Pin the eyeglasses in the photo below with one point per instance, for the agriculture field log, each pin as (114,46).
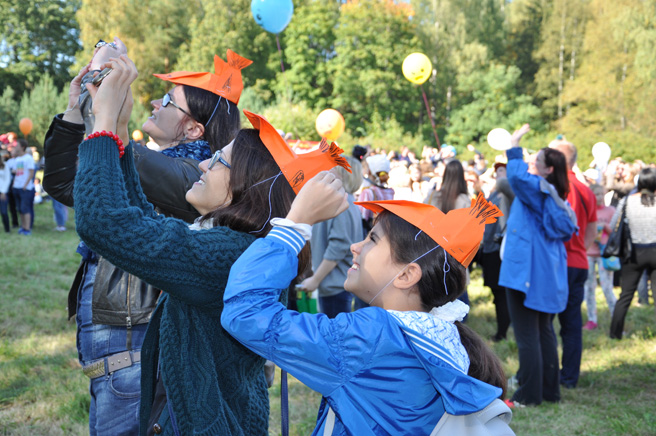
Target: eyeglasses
(217,158)
(167,99)
(102,43)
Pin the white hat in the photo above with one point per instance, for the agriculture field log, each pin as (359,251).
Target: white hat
(378,163)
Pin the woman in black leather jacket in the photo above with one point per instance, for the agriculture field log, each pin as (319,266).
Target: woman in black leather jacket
(112,307)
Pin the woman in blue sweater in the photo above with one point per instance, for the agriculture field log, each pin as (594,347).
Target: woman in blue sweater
(392,368)
(196,379)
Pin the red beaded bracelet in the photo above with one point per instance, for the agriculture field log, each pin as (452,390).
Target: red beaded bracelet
(121,148)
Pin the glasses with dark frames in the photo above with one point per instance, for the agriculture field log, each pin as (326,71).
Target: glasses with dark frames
(102,43)
(166,100)
(217,158)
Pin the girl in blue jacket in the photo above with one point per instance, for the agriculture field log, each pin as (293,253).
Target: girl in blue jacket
(393,368)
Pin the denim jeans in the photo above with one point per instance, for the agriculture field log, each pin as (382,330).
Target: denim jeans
(5,216)
(571,324)
(335,304)
(115,397)
(61,213)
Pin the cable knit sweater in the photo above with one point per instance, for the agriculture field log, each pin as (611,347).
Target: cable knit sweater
(214,385)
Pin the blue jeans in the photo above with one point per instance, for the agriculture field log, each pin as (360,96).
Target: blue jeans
(115,397)
(61,213)
(335,304)
(5,216)
(571,324)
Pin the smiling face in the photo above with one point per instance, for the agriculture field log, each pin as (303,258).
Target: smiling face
(212,191)
(372,268)
(165,126)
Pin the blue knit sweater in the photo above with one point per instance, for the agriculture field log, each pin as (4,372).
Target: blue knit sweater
(214,385)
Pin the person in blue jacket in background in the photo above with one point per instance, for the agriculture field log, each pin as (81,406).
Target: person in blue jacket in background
(392,368)
(534,266)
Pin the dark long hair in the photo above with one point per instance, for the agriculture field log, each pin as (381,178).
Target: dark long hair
(647,186)
(252,198)
(223,126)
(453,184)
(558,177)
(484,364)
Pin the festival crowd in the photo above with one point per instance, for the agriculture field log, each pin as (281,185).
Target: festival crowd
(195,258)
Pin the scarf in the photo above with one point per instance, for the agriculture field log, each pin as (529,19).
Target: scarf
(198,150)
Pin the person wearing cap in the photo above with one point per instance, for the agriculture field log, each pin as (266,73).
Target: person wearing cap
(112,307)
(397,366)
(196,379)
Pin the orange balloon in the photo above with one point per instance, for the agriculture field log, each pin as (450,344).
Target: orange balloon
(25,126)
(137,135)
(330,124)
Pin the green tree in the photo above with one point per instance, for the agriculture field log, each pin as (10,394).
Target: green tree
(37,37)
(8,111)
(40,105)
(372,39)
(491,101)
(309,49)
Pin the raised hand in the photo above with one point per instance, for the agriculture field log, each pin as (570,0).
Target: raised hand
(109,97)
(72,113)
(517,135)
(321,198)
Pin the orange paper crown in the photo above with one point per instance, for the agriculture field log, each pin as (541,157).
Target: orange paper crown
(459,232)
(225,81)
(297,168)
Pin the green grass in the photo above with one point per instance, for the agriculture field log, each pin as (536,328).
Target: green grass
(43,391)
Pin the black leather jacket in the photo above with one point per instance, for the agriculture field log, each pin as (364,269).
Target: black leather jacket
(119,298)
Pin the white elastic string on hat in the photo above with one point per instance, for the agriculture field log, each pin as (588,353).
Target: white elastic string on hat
(444,271)
(266,180)
(215,108)
(270,209)
(402,269)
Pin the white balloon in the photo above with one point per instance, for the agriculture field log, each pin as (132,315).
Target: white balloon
(601,152)
(499,139)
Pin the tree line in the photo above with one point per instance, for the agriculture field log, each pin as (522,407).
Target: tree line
(582,68)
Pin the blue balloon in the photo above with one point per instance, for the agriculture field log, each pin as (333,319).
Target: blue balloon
(272,15)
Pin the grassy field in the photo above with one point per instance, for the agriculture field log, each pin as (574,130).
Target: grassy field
(43,391)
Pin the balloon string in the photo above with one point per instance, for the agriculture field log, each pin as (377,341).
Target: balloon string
(430,117)
(282,66)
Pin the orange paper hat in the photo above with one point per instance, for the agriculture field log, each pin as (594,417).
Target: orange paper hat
(459,232)
(225,82)
(297,168)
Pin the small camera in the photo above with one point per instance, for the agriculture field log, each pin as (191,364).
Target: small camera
(99,78)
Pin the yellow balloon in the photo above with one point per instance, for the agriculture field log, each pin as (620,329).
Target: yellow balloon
(330,124)
(137,135)
(417,68)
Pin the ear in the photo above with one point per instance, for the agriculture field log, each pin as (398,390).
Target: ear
(549,170)
(409,277)
(193,130)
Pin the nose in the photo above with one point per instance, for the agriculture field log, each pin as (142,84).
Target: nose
(156,103)
(356,248)
(203,165)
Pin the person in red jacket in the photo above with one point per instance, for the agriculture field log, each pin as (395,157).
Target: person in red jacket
(584,204)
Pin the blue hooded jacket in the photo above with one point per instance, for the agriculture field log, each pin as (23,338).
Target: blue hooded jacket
(534,259)
(381,372)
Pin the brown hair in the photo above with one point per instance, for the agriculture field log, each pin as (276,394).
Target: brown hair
(453,184)
(484,364)
(255,200)
(223,126)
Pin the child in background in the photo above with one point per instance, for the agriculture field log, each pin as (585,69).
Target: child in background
(395,367)
(604,215)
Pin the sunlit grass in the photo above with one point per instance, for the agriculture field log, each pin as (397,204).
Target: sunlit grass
(43,391)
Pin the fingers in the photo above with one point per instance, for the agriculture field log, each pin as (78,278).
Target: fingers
(92,90)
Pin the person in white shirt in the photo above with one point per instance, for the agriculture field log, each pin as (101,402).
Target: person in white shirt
(23,167)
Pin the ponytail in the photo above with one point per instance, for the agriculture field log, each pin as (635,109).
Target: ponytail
(484,364)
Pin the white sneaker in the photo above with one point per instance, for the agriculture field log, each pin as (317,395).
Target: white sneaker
(60,229)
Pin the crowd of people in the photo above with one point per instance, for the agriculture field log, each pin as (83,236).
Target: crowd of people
(192,256)
(21,189)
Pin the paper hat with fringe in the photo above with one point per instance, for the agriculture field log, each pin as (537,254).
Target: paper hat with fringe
(225,82)
(459,231)
(297,168)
